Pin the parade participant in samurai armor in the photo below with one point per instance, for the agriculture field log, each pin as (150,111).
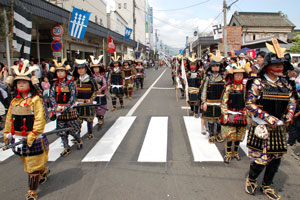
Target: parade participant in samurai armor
(115,82)
(62,98)
(86,89)
(99,76)
(271,103)
(234,114)
(129,73)
(194,82)
(25,121)
(174,66)
(213,87)
(140,73)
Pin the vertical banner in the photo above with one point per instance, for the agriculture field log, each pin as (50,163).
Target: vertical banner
(22,30)
(128,32)
(185,80)
(151,19)
(78,23)
(251,53)
(186,41)
(217,31)
(111,47)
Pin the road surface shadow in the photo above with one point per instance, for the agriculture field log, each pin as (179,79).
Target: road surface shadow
(60,180)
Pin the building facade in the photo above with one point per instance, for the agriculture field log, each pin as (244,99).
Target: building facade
(125,9)
(97,8)
(259,25)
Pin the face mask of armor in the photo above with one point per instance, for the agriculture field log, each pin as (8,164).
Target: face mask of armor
(278,72)
(193,67)
(238,82)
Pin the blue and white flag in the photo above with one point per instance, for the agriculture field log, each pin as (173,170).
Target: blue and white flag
(78,23)
(128,32)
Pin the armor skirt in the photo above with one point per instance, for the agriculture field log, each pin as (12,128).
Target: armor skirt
(212,112)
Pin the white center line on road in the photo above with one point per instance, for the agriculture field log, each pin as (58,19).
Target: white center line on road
(243,144)
(162,88)
(136,105)
(201,148)
(185,107)
(154,148)
(105,148)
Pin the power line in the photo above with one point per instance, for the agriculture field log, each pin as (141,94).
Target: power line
(197,4)
(211,22)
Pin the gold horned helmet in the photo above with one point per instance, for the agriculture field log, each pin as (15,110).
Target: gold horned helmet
(275,48)
(239,67)
(193,59)
(23,72)
(60,66)
(115,58)
(217,58)
(96,62)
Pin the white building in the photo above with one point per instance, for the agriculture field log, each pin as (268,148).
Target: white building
(97,8)
(116,22)
(125,9)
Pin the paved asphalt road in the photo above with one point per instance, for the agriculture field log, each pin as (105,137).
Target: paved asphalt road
(173,174)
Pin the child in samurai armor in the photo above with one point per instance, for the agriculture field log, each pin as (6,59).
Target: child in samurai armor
(194,82)
(129,73)
(116,83)
(234,115)
(99,76)
(212,90)
(25,121)
(86,88)
(140,73)
(272,105)
(63,97)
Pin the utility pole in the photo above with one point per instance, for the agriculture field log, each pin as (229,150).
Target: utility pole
(225,28)
(134,20)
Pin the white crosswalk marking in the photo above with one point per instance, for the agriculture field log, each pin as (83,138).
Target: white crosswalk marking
(108,144)
(8,153)
(56,147)
(154,148)
(202,150)
(243,144)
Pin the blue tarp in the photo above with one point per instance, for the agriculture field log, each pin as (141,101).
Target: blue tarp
(243,50)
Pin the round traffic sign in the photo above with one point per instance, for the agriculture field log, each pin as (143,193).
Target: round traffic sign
(56,45)
(57,31)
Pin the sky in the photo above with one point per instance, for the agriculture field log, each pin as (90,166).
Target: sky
(174,26)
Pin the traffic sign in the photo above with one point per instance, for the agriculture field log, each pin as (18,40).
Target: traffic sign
(57,38)
(56,54)
(57,31)
(56,45)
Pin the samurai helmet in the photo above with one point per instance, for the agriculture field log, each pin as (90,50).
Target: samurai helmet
(237,67)
(140,59)
(96,62)
(216,59)
(127,58)
(193,59)
(60,66)
(276,55)
(115,58)
(23,72)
